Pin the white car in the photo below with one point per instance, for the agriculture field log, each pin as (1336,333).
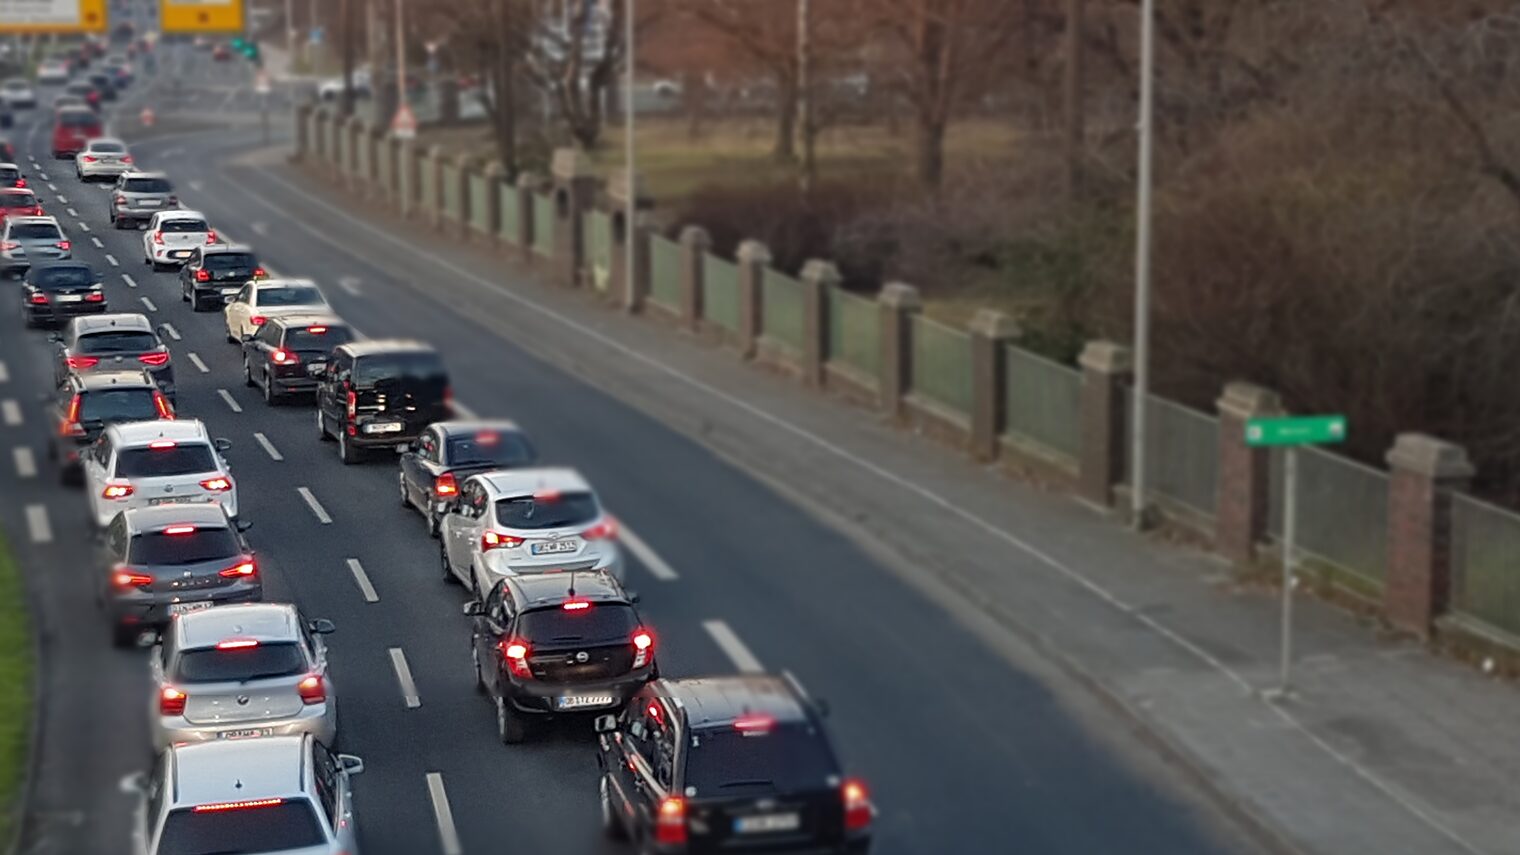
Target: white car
(53,72)
(103,157)
(331,89)
(147,464)
(17,94)
(262,299)
(173,235)
(511,522)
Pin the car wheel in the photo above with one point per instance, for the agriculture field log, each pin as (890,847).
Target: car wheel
(444,565)
(510,726)
(184,293)
(270,397)
(433,524)
(406,500)
(612,824)
(346,452)
(247,373)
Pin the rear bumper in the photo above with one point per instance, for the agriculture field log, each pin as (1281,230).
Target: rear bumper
(152,610)
(854,845)
(537,698)
(90,170)
(165,254)
(62,312)
(360,439)
(109,512)
(293,385)
(497,566)
(319,720)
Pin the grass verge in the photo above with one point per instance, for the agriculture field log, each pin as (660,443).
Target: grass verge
(16,668)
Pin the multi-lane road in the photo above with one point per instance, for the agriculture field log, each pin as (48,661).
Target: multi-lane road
(964,751)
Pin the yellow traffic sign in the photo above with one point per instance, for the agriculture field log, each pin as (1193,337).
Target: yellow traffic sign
(52,16)
(201,16)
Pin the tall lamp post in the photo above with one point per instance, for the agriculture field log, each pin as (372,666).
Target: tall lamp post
(630,190)
(1143,261)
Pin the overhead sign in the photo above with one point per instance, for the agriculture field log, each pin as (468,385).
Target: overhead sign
(1296,430)
(198,17)
(52,16)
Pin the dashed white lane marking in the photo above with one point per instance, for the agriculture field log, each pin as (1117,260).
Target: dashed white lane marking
(5,373)
(269,449)
(742,658)
(171,332)
(127,278)
(62,199)
(74,213)
(37,524)
(44,177)
(349,284)
(196,186)
(111,259)
(151,306)
(232,403)
(260,229)
(647,557)
(404,677)
(85,227)
(195,360)
(448,835)
(316,506)
(26,464)
(362,579)
(98,243)
(11,411)
(51,186)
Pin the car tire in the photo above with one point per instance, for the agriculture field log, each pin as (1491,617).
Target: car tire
(346,452)
(248,374)
(434,522)
(184,293)
(406,499)
(612,824)
(444,566)
(511,728)
(271,398)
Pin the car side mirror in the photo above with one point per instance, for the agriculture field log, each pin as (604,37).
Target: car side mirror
(605,723)
(351,765)
(55,337)
(473,608)
(322,626)
(222,444)
(243,525)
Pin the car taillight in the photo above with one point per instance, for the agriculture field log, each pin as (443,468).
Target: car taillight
(238,571)
(217,485)
(858,811)
(164,410)
(126,158)
(116,491)
(203,276)
(643,647)
(283,357)
(82,361)
(174,201)
(99,297)
(155,359)
(38,299)
(516,652)
(88,158)
(496,540)
(313,689)
(258,273)
(445,485)
(670,824)
(158,238)
(10,245)
(128,579)
(171,701)
(211,236)
(352,402)
(71,425)
(607,529)
(21,183)
(63,244)
(257,320)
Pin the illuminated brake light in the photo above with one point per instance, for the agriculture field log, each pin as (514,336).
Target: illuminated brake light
(858,811)
(352,404)
(203,276)
(607,529)
(21,182)
(643,647)
(257,320)
(283,357)
(71,425)
(98,297)
(575,605)
(236,571)
(496,540)
(670,824)
(546,496)
(211,236)
(316,330)
(162,443)
(245,805)
(63,244)
(89,158)
(237,644)
(155,359)
(10,245)
(128,579)
(179,529)
(40,299)
(121,200)
(312,689)
(258,273)
(171,701)
(217,485)
(126,158)
(164,410)
(158,238)
(755,724)
(446,485)
(516,652)
(116,491)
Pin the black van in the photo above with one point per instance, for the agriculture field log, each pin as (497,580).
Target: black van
(380,394)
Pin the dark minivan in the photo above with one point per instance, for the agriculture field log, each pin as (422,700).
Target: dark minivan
(380,394)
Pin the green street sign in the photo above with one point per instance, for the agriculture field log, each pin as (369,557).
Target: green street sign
(1296,430)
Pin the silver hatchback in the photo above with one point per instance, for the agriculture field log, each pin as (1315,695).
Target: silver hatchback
(242,672)
(25,241)
(137,196)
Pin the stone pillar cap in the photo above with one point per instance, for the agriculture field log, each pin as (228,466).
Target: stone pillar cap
(571,163)
(1107,357)
(753,252)
(1426,455)
(618,182)
(821,271)
(696,236)
(494,169)
(464,160)
(1248,401)
(900,295)
(996,325)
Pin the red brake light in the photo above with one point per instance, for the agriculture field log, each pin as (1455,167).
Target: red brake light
(257,320)
(154,359)
(164,410)
(88,158)
(670,825)
(171,701)
(258,273)
(607,529)
(247,568)
(643,647)
(120,199)
(63,244)
(858,811)
(283,357)
(496,540)
(237,644)
(21,182)
(211,236)
(352,402)
(162,443)
(40,299)
(203,276)
(755,724)
(312,689)
(248,805)
(654,710)
(316,330)
(116,491)
(71,425)
(516,651)
(179,529)
(575,605)
(546,496)
(217,485)
(98,297)
(158,238)
(127,579)
(446,485)
(10,245)
(127,158)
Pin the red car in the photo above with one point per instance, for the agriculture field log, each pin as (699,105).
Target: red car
(72,128)
(19,203)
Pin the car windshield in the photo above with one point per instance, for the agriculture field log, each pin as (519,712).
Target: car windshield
(35,231)
(565,509)
(63,277)
(107,147)
(374,368)
(782,758)
(488,446)
(290,295)
(316,338)
(79,119)
(288,825)
(116,341)
(179,224)
(602,623)
(229,261)
(155,548)
(117,405)
(260,661)
(146,185)
(17,200)
(179,459)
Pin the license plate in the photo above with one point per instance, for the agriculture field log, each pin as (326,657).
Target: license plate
(768,823)
(245,733)
(575,702)
(150,203)
(178,500)
(70,298)
(180,253)
(318,365)
(186,608)
(554,547)
(383,427)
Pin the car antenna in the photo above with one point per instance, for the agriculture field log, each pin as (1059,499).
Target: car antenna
(572,584)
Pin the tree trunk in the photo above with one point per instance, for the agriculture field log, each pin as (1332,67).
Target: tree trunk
(930,151)
(346,29)
(785,150)
(694,101)
(1074,143)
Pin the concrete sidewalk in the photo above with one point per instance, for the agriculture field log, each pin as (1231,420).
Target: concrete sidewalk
(1383,748)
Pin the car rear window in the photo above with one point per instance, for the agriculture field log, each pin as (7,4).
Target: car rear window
(17,200)
(181,225)
(116,341)
(192,547)
(63,277)
(489,446)
(10,173)
(181,459)
(117,405)
(527,512)
(785,757)
(229,260)
(107,147)
(79,119)
(289,295)
(259,662)
(146,185)
(35,231)
(291,824)
(602,623)
(303,340)
(415,365)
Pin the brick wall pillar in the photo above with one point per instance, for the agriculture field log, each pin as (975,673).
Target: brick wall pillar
(493,175)
(694,245)
(575,191)
(527,184)
(818,278)
(990,331)
(1424,473)
(1107,369)
(1240,514)
(899,302)
(753,258)
(628,292)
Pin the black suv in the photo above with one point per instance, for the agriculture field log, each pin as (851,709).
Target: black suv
(57,291)
(548,644)
(380,394)
(214,274)
(728,764)
(280,356)
(86,403)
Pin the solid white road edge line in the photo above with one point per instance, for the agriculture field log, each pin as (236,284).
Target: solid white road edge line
(404,677)
(231,402)
(448,835)
(647,556)
(362,579)
(316,506)
(726,638)
(37,525)
(274,453)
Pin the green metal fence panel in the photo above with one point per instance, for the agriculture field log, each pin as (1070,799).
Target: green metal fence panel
(509,218)
(385,166)
(1342,513)
(451,200)
(543,224)
(599,248)
(855,332)
(427,193)
(665,272)
(1181,453)
(1485,572)
(720,292)
(941,365)
(480,203)
(1042,401)
(782,309)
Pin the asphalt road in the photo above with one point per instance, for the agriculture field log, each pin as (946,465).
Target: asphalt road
(963,752)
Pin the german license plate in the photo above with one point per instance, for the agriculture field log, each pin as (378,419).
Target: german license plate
(70,298)
(767,823)
(180,253)
(576,702)
(151,203)
(186,608)
(245,733)
(553,547)
(172,500)
(383,427)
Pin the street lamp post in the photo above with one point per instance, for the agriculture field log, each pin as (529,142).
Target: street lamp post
(630,190)
(1143,261)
